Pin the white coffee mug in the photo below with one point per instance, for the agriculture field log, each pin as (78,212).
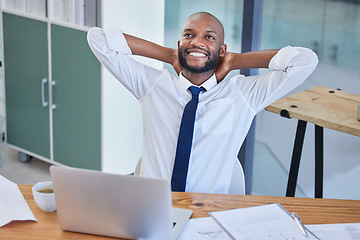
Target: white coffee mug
(45,201)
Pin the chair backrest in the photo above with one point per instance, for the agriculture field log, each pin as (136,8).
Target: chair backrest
(137,168)
(237,185)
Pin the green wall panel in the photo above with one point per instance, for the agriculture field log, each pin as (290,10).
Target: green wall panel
(77,95)
(25,64)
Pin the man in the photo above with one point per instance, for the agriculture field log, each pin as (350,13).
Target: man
(225,108)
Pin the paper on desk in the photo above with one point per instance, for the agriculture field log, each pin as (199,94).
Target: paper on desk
(262,222)
(253,227)
(203,229)
(12,203)
(346,231)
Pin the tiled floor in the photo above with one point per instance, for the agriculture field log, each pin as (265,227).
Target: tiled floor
(19,172)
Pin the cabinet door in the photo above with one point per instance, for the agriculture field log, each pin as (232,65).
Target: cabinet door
(26,64)
(76,94)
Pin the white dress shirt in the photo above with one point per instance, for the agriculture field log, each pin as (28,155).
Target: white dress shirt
(224,114)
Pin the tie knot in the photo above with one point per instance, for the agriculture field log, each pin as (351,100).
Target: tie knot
(196,90)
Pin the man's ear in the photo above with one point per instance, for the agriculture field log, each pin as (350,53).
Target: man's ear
(178,43)
(223,48)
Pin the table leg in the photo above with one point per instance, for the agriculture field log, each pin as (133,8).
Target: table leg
(295,160)
(319,161)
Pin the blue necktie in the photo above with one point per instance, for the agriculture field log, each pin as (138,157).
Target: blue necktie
(184,143)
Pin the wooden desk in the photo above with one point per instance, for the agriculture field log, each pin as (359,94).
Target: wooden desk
(311,211)
(325,107)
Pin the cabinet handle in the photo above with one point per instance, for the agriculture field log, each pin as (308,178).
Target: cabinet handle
(43,101)
(53,106)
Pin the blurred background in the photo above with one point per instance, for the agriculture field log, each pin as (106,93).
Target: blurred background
(328,27)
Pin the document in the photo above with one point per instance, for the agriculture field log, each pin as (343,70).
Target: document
(346,231)
(203,229)
(270,222)
(12,203)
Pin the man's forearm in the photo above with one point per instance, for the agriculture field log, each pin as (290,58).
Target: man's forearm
(235,61)
(256,59)
(148,49)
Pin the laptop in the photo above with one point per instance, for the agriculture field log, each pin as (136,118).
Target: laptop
(121,206)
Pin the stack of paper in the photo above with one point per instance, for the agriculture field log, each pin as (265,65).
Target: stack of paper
(271,222)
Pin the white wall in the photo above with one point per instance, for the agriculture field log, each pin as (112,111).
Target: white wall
(121,123)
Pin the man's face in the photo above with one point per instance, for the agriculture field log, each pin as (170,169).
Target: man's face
(201,43)
(211,60)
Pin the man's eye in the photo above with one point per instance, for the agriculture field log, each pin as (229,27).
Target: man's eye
(187,35)
(210,37)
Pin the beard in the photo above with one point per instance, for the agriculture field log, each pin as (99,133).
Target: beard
(211,63)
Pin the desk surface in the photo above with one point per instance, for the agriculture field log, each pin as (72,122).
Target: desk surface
(311,211)
(325,107)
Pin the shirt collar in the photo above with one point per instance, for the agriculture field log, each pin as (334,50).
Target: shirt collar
(208,84)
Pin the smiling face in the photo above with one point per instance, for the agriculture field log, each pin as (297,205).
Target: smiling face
(198,57)
(201,43)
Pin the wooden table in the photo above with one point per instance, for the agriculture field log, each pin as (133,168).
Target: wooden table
(311,211)
(325,107)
